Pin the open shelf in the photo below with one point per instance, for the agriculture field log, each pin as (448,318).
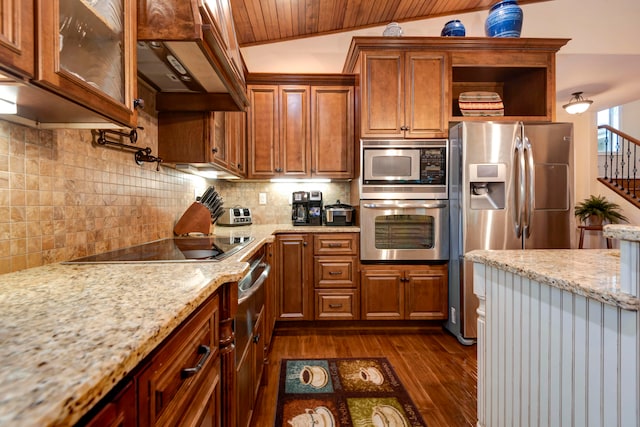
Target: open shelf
(523,89)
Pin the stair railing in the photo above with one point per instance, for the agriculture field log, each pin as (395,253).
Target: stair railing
(621,161)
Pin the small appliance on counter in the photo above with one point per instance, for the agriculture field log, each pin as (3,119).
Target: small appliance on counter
(306,208)
(338,214)
(235,216)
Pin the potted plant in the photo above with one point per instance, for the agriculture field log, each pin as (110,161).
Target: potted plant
(595,210)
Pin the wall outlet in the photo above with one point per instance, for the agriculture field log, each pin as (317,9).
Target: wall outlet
(452,317)
(262,198)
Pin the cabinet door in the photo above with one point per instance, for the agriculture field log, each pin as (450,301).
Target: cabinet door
(235,134)
(86,53)
(17,45)
(294,277)
(263,131)
(218,139)
(186,137)
(295,153)
(426,95)
(120,412)
(426,293)
(382,113)
(382,294)
(332,136)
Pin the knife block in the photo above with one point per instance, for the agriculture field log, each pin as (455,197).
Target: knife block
(196,219)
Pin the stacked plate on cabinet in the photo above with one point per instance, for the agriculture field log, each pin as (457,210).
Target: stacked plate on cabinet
(480,104)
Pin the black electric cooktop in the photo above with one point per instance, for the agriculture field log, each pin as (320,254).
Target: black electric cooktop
(178,249)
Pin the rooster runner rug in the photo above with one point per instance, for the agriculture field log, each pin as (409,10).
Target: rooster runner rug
(343,393)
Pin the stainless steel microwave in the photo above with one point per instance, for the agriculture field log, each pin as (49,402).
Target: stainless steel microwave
(404,169)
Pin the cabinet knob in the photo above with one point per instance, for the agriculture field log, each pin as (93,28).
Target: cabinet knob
(404,127)
(214,150)
(278,169)
(239,165)
(304,243)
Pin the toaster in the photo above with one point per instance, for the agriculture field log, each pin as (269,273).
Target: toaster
(235,216)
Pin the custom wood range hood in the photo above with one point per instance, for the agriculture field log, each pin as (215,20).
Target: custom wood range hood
(187,51)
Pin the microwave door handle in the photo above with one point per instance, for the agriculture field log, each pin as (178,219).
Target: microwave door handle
(405,205)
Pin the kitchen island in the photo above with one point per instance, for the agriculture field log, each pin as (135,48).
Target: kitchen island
(558,336)
(70,332)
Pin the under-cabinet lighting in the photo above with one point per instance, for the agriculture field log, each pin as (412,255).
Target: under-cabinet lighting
(8,107)
(304,180)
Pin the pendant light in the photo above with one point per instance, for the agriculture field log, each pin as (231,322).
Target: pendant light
(577,104)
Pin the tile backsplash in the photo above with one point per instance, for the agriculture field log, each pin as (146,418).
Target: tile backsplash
(63,197)
(277,210)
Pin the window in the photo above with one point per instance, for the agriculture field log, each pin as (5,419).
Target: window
(609,117)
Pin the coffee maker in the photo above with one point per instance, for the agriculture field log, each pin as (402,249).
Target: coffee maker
(306,208)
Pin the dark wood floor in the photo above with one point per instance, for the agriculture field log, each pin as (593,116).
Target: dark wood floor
(438,372)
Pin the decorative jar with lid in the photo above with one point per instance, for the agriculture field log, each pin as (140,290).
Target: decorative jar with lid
(453,28)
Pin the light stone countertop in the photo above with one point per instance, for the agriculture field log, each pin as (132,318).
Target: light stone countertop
(593,273)
(622,232)
(70,332)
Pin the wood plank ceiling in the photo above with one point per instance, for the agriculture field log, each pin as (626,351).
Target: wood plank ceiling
(268,21)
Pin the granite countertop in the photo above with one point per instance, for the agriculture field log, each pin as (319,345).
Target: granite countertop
(593,273)
(70,332)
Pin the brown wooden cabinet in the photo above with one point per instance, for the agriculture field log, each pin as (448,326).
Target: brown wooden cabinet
(332,131)
(404,292)
(119,412)
(335,276)
(87,53)
(180,385)
(520,70)
(203,138)
(404,94)
(300,131)
(278,131)
(17,45)
(294,272)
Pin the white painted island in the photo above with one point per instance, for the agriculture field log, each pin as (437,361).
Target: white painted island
(559,335)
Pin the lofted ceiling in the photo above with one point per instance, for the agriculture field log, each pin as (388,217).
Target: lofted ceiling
(268,21)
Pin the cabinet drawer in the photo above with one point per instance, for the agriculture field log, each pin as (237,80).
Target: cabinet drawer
(335,244)
(187,363)
(335,272)
(337,304)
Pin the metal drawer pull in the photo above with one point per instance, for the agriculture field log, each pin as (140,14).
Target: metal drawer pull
(256,338)
(335,245)
(206,352)
(335,273)
(335,305)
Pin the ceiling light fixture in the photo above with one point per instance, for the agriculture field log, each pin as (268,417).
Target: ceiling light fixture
(577,104)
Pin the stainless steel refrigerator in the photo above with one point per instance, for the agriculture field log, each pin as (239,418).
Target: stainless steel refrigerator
(510,188)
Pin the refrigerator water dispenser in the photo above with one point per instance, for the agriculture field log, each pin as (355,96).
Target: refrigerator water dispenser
(487,186)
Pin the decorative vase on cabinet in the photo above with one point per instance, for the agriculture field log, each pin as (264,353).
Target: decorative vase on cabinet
(453,29)
(504,20)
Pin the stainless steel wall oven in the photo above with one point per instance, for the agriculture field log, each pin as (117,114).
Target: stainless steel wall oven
(404,230)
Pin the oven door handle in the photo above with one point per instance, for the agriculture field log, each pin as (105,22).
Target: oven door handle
(405,205)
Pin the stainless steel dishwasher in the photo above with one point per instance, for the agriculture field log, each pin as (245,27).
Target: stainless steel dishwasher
(249,342)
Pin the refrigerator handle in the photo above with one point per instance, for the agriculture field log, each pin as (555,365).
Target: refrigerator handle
(518,187)
(531,193)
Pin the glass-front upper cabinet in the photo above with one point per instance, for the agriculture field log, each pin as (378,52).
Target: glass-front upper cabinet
(87,54)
